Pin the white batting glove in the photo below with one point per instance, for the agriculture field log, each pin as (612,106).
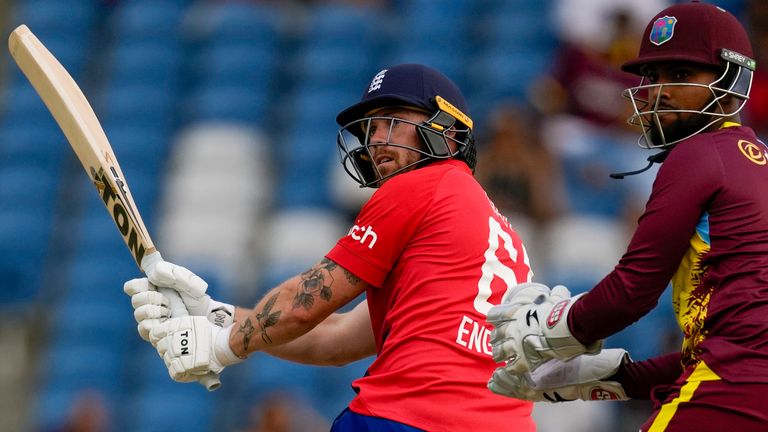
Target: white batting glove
(531,332)
(192,290)
(192,346)
(149,305)
(583,377)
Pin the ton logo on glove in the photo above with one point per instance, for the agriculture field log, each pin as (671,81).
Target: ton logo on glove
(184,342)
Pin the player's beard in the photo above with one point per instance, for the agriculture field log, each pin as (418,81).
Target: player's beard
(680,129)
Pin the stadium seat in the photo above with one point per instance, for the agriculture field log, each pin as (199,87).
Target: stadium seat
(156,401)
(264,374)
(139,20)
(140,143)
(99,269)
(652,335)
(29,187)
(46,16)
(302,235)
(332,69)
(24,244)
(501,74)
(336,24)
(226,103)
(574,258)
(154,63)
(72,366)
(21,102)
(234,22)
(55,407)
(336,386)
(453,65)
(251,64)
(182,409)
(32,140)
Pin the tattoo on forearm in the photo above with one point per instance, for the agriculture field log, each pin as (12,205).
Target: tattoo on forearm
(265,319)
(315,281)
(247,329)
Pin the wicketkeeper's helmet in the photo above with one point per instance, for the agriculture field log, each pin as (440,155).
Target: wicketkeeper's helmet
(699,33)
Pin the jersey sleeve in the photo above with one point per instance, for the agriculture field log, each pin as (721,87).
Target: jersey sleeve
(639,378)
(383,229)
(685,183)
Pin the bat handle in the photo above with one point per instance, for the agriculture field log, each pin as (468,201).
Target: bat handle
(210,380)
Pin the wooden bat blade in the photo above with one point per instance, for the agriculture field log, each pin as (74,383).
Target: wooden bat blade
(76,118)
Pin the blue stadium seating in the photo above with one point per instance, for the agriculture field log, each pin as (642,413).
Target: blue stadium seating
(71,367)
(139,20)
(45,16)
(236,22)
(28,187)
(340,25)
(228,103)
(24,243)
(154,62)
(248,64)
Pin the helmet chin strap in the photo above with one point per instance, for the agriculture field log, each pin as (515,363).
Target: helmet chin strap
(652,159)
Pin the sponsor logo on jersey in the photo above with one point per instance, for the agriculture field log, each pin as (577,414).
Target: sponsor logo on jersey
(557,313)
(753,152)
(364,234)
(663,30)
(377,80)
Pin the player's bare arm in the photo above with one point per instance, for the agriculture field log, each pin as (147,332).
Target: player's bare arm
(294,307)
(340,339)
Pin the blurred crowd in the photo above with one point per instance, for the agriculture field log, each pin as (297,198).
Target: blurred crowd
(244,187)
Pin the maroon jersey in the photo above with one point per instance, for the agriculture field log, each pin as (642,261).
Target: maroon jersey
(705,229)
(437,255)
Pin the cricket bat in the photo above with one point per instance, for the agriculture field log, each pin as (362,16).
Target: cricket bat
(76,118)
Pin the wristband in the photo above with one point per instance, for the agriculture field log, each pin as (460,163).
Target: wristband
(223,351)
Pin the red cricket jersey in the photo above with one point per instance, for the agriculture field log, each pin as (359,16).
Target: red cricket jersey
(438,255)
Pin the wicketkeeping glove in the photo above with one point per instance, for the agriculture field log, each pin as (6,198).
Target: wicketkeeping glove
(583,377)
(529,331)
(192,346)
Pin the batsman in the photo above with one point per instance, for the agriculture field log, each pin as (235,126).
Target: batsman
(429,250)
(704,229)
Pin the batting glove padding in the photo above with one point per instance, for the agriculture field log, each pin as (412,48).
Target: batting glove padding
(149,306)
(534,329)
(583,377)
(192,290)
(192,346)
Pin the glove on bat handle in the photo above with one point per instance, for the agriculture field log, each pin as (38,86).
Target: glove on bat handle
(210,380)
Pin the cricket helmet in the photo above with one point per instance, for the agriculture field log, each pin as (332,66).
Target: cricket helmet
(699,33)
(412,86)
